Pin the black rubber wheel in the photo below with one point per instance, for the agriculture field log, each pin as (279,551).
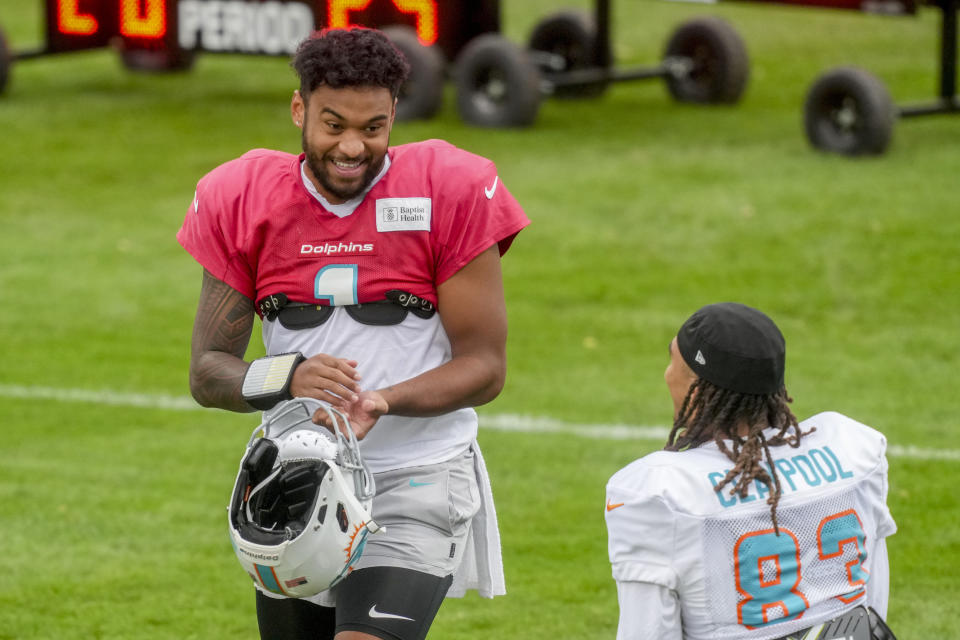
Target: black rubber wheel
(157,61)
(570,40)
(421,96)
(6,60)
(708,62)
(849,111)
(497,83)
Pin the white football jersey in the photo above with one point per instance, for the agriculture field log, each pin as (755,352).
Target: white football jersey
(733,575)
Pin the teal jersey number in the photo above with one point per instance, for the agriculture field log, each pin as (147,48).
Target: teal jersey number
(767,568)
(337,284)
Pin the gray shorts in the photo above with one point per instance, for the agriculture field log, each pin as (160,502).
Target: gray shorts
(426,512)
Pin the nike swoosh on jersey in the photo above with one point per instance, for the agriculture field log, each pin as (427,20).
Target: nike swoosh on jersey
(373,613)
(611,507)
(414,483)
(493,189)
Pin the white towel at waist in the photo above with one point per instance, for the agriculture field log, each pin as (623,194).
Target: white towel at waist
(482,565)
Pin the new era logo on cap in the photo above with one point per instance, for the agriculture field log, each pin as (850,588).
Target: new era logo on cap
(747,350)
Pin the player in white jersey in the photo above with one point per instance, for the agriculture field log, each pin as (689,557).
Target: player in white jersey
(376,272)
(749,525)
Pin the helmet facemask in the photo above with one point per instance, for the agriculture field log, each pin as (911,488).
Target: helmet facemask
(299,516)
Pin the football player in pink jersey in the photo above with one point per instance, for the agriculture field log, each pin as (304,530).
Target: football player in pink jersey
(749,525)
(376,273)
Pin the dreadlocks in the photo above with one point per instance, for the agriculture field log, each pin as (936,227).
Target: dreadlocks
(711,412)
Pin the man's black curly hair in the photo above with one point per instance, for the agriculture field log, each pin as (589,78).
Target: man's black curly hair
(355,57)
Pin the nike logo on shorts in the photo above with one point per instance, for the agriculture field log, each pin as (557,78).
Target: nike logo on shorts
(414,483)
(373,613)
(492,190)
(611,507)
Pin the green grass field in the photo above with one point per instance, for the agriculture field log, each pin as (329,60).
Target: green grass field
(112,514)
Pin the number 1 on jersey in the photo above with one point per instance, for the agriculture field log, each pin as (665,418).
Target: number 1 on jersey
(337,284)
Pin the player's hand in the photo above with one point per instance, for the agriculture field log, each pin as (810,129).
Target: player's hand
(326,378)
(363,412)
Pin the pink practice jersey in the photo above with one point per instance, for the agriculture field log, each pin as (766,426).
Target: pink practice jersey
(254,225)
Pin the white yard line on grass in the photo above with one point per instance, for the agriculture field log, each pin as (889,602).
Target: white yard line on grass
(494,422)
(105,397)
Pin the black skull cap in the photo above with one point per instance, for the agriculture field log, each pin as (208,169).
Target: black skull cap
(735,347)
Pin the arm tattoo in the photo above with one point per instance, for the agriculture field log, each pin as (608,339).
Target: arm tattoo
(221,333)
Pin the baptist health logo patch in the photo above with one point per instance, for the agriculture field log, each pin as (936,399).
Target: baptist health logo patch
(403,214)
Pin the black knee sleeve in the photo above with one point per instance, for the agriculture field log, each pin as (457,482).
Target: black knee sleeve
(292,619)
(390,602)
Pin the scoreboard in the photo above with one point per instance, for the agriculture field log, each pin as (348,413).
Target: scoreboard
(265,27)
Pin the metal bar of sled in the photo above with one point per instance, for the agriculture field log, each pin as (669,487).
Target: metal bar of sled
(947,105)
(948,101)
(602,49)
(948,49)
(593,75)
(31,53)
(644,73)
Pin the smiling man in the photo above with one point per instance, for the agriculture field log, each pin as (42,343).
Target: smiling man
(343,167)
(378,268)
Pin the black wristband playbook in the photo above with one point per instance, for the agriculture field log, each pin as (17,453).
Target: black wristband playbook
(268,379)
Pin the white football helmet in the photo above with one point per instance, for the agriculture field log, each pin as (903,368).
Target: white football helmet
(300,512)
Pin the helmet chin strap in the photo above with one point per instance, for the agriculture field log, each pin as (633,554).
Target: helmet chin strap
(257,488)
